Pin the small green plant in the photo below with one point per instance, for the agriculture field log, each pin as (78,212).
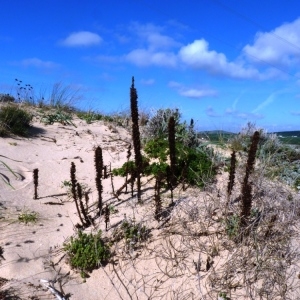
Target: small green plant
(232,226)
(90,116)
(66,184)
(59,116)
(86,251)
(113,209)
(223,296)
(14,120)
(134,233)
(28,217)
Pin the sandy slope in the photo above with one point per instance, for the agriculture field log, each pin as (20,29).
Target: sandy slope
(166,266)
(51,149)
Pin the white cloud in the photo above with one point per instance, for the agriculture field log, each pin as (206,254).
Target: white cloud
(82,38)
(144,58)
(153,37)
(197,93)
(38,63)
(188,92)
(107,58)
(295,113)
(198,56)
(280,46)
(150,81)
(154,47)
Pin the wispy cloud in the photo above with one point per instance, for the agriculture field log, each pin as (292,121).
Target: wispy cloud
(191,92)
(145,57)
(106,59)
(153,36)
(265,103)
(154,47)
(38,63)
(150,81)
(81,38)
(295,113)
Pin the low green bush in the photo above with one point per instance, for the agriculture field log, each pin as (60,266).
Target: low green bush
(59,116)
(7,98)
(87,251)
(14,120)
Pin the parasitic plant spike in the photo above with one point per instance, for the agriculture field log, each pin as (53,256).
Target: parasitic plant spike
(136,137)
(247,186)
(107,216)
(231,173)
(82,209)
(157,199)
(128,157)
(73,190)
(99,168)
(172,149)
(35,182)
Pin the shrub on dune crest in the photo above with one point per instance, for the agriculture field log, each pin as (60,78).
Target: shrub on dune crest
(14,120)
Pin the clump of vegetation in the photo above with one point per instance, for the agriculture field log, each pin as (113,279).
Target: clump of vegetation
(14,120)
(157,126)
(59,116)
(232,226)
(6,98)
(133,233)
(28,217)
(91,116)
(193,166)
(87,252)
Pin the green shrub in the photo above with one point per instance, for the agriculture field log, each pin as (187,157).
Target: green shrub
(14,120)
(87,251)
(90,116)
(59,116)
(193,166)
(157,126)
(7,98)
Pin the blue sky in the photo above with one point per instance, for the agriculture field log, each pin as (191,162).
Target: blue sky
(221,62)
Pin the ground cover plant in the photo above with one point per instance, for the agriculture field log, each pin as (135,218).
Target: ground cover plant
(86,252)
(28,217)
